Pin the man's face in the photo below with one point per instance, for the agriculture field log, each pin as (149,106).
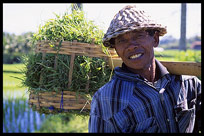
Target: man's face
(136,48)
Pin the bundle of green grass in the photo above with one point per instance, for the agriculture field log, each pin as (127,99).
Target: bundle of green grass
(67,27)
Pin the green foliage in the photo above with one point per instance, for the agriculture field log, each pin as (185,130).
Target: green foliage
(12,58)
(176,55)
(42,75)
(69,27)
(93,69)
(189,55)
(15,106)
(15,101)
(16,68)
(63,123)
(14,46)
(9,82)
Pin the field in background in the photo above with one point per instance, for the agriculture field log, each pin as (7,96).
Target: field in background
(176,55)
(19,117)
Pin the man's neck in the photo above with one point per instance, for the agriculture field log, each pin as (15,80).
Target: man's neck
(148,72)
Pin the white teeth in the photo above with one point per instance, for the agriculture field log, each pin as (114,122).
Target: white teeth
(135,56)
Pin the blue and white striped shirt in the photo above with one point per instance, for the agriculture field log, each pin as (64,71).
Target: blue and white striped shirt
(130,104)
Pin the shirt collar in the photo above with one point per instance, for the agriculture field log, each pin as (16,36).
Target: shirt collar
(160,70)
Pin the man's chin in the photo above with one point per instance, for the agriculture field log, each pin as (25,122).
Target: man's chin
(138,66)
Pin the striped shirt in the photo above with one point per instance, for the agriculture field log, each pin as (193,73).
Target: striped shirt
(130,104)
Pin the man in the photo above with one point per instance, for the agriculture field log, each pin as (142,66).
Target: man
(142,95)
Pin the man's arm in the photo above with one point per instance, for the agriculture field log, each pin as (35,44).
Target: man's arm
(96,122)
(197,128)
(98,125)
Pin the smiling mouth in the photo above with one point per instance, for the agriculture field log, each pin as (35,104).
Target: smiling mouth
(135,56)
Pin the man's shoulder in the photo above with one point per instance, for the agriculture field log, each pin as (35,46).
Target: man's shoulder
(188,77)
(115,90)
(115,93)
(114,86)
(185,79)
(107,89)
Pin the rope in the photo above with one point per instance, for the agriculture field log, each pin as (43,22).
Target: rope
(84,105)
(51,108)
(61,103)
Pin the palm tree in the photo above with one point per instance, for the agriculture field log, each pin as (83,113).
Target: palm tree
(77,6)
(182,45)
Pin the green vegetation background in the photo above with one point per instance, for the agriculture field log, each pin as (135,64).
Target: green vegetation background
(55,123)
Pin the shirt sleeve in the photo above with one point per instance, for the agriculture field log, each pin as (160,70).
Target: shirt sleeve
(96,122)
(197,127)
(98,125)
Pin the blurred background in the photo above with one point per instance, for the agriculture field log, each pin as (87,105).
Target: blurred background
(20,21)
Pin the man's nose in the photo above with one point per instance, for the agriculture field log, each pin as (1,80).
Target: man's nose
(133,46)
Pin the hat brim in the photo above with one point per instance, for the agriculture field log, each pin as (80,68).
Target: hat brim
(106,40)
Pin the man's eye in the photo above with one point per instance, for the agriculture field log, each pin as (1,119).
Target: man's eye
(137,37)
(121,41)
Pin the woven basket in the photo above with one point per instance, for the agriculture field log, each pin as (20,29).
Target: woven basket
(66,100)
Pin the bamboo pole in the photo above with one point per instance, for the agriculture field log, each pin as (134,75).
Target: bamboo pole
(43,58)
(71,70)
(89,74)
(177,68)
(183,68)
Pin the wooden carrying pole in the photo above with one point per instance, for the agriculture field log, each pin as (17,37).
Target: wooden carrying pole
(177,68)
(91,50)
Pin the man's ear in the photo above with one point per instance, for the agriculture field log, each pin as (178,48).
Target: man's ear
(156,39)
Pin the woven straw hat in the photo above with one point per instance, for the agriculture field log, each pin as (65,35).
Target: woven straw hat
(128,19)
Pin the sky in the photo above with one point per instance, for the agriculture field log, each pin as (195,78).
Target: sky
(19,18)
